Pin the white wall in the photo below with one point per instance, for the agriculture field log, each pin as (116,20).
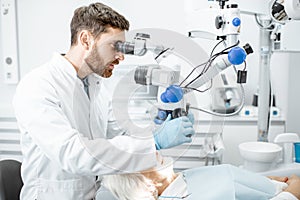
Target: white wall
(44,28)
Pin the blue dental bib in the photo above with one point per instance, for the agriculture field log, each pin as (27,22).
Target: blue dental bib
(227,182)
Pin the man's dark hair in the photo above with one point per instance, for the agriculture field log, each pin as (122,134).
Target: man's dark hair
(96,18)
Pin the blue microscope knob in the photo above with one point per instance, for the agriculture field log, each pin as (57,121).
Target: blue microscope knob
(161,114)
(236,21)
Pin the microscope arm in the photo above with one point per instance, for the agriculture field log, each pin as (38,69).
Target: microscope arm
(235,56)
(216,67)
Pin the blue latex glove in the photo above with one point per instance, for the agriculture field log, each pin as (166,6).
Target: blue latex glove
(173,132)
(191,117)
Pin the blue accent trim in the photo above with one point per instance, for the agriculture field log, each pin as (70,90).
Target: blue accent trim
(162,114)
(236,21)
(237,55)
(173,94)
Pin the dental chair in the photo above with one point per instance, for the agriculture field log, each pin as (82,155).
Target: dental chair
(10,179)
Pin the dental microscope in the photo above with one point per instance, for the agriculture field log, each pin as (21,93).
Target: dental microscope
(171,92)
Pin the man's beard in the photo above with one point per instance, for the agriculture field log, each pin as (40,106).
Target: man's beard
(106,73)
(94,61)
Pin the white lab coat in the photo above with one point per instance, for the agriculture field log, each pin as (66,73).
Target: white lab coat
(63,131)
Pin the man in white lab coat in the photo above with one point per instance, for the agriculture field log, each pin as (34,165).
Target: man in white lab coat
(68,133)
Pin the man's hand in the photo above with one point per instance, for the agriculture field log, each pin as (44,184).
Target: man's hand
(174,132)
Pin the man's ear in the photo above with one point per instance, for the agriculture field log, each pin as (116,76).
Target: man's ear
(86,39)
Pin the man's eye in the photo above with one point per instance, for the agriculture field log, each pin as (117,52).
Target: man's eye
(118,45)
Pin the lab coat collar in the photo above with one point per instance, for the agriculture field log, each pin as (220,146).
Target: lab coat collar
(59,60)
(62,62)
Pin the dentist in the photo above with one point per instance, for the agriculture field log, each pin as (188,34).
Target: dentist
(68,133)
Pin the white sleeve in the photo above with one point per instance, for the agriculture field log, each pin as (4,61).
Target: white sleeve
(113,129)
(284,196)
(279,186)
(279,194)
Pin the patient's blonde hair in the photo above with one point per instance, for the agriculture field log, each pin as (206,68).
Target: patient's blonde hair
(130,187)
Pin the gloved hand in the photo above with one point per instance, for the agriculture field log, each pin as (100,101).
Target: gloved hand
(191,117)
(173,132)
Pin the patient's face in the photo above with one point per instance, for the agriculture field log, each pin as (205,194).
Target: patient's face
(161,175)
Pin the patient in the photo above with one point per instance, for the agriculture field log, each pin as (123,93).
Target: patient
(209,183)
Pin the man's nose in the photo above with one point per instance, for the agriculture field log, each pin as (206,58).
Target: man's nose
(119,56)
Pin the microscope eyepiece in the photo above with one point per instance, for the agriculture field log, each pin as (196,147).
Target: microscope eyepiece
(125,47)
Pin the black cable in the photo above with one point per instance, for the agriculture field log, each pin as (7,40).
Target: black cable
(201,91)
(205,68)
(162,52)
(216,47)
(237,43)
(230,114)
(210,60)
(205,63)
(202,63)
(191,73)
(245,65)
